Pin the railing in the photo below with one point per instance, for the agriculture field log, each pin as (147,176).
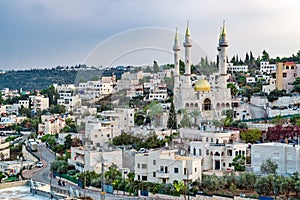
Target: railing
(217,144)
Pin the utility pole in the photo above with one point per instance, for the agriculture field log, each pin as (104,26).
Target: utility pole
(102,172)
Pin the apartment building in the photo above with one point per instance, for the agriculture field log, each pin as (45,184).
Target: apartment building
(166,166)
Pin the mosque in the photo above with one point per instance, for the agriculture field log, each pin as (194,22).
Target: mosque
(208,95)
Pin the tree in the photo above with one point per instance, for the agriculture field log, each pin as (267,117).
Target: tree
(195,115)
(112,174)
(172,120)
(265,56)
(155,67)
(186,121)
(68,142)
(264,185)
(296,85)
(239,162)
(155,111)
(268,167)
(233,90)
(251,135)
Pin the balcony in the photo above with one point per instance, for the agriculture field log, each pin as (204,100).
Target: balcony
(163,175)
(217,144)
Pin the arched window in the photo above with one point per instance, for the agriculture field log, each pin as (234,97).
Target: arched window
(191,105)
(196,105)
(207,104)
(187,105)
(227,105)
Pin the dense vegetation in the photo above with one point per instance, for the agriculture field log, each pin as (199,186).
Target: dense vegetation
(37,79)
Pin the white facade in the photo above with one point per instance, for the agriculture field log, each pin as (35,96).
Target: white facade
(128,80)
(286,156)
(39,103)
(51,124)
(158,92)
(237,68)
(266,67)
(68,97)
(165,166)
(217,150)
(250,80)
(110,124)
(24,103)
(96,89)
(91,160)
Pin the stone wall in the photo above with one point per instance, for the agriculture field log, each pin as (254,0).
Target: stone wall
(28,155)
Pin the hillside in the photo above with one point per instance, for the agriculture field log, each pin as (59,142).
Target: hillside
(37,79)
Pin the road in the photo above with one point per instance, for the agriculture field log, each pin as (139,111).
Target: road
(43,175)
(257,111)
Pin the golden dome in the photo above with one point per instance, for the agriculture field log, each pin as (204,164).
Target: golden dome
(202,85)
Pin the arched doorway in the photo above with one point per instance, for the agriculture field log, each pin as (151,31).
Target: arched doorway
(207,104)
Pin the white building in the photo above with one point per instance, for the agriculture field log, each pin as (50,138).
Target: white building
(68,97)
(39,103)
(24,103)
(158,92)
(217,149)
(109,125)
(128,80)
(266,67)
(96,89)
(51,124)
(286,156)
(237,68)
(166,166)
(250,80)
(91,160)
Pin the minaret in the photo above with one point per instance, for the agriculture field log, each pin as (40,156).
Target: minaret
(187,45)
(176,90)
(222,48)
(176,49)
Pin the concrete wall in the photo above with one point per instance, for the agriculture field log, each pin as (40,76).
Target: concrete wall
(27,155)
(258,101)
(13,184)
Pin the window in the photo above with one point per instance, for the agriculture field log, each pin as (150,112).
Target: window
(229,152)
(207,139)
(161,168)
(224,165)
(200,153)
(139,178)
(284,75)
(138,166)
(212,140)
(144,178)
(184,171)
(176,170)
(154,174)
(144,166)
(195,169)
(207,152)
(154,162)
(194,151)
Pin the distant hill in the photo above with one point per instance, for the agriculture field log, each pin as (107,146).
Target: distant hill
(37,79)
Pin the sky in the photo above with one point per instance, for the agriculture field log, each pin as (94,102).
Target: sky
(44,34)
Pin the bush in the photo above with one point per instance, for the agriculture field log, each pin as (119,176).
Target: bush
(71,172)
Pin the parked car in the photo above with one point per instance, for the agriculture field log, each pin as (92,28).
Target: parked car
(39,164)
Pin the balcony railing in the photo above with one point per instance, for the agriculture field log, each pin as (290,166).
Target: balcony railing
(217,144)
(163,175)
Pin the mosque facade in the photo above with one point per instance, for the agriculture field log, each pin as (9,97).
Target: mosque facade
(209,95)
